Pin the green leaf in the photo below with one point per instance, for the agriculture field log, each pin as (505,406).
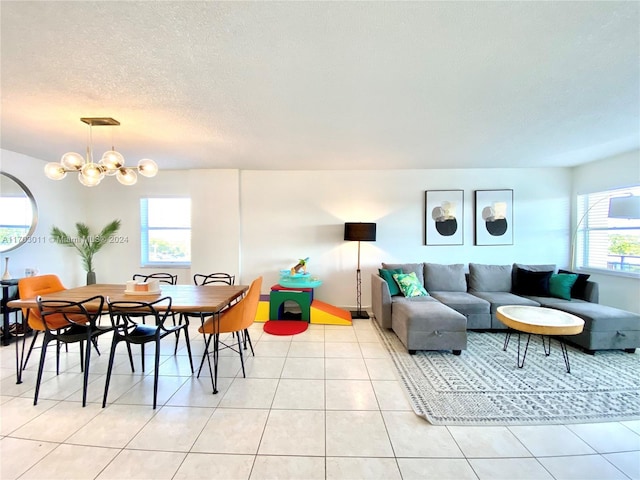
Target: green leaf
(86,244)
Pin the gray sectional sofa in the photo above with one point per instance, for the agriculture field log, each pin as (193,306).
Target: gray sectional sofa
(458,301)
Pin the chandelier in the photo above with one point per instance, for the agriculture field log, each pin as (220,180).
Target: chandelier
(91,174)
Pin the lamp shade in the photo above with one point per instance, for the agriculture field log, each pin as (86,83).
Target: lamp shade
(360,231)
(624,207)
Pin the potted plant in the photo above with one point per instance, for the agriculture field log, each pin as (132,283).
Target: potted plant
(86,244)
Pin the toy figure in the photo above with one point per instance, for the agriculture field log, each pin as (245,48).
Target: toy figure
(302,264)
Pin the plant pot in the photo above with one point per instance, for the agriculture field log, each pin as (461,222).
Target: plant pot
(91,278)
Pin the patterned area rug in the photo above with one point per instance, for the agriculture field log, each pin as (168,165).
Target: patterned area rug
(484,386)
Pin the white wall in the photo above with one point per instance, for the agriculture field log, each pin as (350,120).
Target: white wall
(258,222)
(290,215)
(614,172)
(215,213)
(59,203)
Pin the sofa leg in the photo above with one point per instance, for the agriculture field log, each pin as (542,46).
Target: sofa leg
(411,352)
(589,352)
(457,352)
(630,350)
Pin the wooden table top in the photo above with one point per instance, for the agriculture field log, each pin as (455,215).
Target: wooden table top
(185,298)
(539,320)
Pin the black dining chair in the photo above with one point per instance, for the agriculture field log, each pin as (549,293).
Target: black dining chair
(70,322)
(168,279)
(128,326)
(162,277)
(212,278)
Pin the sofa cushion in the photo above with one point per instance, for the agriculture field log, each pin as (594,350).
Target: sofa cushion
(560,285)
(544,267)
(497,299)
(417,268)
(578,289)
(409,285)
(387,275)
(462,302)
(549,267)
(402,299)
(489,278)
(444,278)
(601,317)
(528,282)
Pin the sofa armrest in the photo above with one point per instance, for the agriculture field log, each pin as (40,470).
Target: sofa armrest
(381,301)
(591,292)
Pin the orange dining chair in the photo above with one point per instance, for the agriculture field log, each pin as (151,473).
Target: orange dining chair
(235,319)
(219,278)
(32,287)
(70,322)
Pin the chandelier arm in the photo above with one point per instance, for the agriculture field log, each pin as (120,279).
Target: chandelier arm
(91,173)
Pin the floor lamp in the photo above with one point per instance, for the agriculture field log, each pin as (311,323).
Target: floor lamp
(359,232)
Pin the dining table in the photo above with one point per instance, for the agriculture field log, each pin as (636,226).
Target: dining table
(206,300)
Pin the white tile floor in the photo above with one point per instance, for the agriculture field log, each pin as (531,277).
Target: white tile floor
(324,404)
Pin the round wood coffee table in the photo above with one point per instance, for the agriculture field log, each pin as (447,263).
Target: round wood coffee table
(542,321)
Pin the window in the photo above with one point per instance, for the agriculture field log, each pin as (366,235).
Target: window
(165,232)
(17,217)
(606,243)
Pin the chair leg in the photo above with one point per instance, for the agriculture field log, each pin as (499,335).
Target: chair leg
(240,351)
(175,349)
(20,358)
(216,354)
(43,354)
(247,338)
(87,360)
(205,355)
(94,340)
(130,357)
(112,354)
(33,342)
(186,338)
(155,373)
(58,356)
(82,355)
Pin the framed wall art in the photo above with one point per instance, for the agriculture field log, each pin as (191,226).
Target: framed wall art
(494,217)
(444,215)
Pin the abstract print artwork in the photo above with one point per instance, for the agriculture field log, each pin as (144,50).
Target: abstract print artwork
(494,217)
(444,217)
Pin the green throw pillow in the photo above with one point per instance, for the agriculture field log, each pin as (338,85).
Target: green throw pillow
(410,285)
(560,285)
(387,275)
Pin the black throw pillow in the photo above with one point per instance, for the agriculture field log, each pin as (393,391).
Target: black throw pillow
(532,283)
(578,289)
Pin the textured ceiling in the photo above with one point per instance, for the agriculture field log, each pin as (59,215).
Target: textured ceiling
(324,85)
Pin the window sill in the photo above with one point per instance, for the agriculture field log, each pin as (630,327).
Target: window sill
(612,273)
(166,265)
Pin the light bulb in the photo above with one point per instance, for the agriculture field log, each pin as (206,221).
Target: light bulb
(72,161)
(90,175)
(92,170)
(112,161)
(147,167)
(54,171)
(88,181)
(127,176)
